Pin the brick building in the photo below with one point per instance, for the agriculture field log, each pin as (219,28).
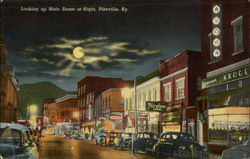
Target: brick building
(225,81)
(46,102)
(8,89)
(66,108)
(179,88)
(89,88)
(112,109)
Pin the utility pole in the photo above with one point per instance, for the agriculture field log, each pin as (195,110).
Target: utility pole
(136,123)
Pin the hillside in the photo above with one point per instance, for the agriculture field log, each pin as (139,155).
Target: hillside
(35,93)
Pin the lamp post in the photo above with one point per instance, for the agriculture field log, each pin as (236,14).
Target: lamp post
(136,124)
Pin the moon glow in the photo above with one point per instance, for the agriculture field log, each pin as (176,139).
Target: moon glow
(78,52)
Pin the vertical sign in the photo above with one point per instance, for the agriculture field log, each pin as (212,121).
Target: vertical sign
(216,32)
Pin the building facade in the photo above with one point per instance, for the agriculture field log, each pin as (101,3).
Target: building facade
(66,109)
(179,87)
(52,113)
(88,89)
(113,109)
(147,89)
(226,81)
(8,89)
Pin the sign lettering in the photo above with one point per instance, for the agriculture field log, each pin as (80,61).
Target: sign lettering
(227,77)
(156,106)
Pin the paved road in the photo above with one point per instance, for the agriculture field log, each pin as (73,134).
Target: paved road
(52,147)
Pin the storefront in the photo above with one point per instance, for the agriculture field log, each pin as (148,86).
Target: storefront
(171,120)
(228,106)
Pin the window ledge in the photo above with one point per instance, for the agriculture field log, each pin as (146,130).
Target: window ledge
(179,98)
(236,53)
(212,62)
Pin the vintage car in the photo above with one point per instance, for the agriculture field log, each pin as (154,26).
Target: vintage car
(122,140)
(240,151)
(143,141)
(179,144)
(100,137)
(110,138)
(16,142)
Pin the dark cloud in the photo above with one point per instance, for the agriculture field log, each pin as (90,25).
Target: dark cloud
(134,41)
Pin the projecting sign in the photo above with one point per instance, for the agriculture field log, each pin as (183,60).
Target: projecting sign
(216,48)
(156,106)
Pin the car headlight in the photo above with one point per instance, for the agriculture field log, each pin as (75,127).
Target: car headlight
(154,147)
(182,148)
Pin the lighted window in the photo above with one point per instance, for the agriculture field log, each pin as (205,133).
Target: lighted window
(180,88)
(167,92)
(155,94)
(237,35)
(130,103)
(144,98)
(149,95)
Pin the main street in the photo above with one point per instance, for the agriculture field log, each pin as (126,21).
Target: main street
(53,147)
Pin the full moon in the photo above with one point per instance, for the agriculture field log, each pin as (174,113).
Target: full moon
(78,52)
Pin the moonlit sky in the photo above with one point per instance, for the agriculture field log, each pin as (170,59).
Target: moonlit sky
(115,44)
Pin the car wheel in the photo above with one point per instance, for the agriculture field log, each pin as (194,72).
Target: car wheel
(175,154)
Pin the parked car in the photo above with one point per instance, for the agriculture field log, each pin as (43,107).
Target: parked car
(16,142)
(179,144)
(101,137)
(240,151)
(144,141)
(122,140)
(110,138)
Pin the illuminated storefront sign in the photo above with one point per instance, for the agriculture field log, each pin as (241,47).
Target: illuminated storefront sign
(226,77)
(115,117)
(88,123)
(143,117)
(156,106)
(173,107)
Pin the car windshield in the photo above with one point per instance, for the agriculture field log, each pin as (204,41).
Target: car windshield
(170,136)
(126,135)
(10,136)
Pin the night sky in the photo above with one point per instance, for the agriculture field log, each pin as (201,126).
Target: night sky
(115,43)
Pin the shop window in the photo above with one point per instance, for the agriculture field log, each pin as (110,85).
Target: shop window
(216,89)
(180,88)
(246,82)
(237,35)
(109,101)
(233,85)
(126,103)
(229,125)
(155,94)
(167,92)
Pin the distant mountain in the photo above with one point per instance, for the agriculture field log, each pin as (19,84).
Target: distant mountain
(35,93)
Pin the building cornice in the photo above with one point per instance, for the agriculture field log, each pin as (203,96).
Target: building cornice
(152,80)
(228,68)
(68,96)
(111,89)
(174,74)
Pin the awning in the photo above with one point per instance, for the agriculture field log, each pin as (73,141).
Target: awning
(224,94)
